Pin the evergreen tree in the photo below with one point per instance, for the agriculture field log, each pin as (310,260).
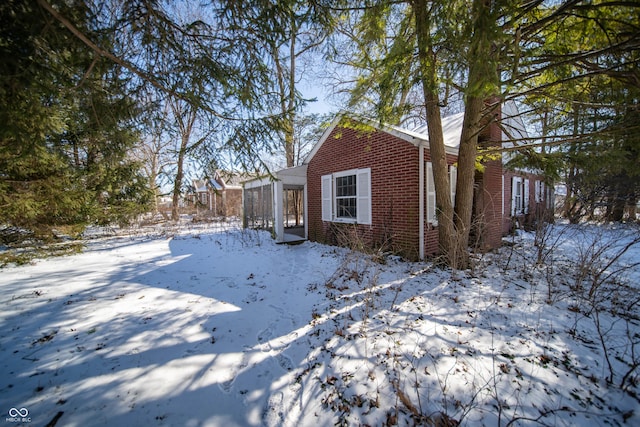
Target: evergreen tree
(65,126)
(579,65)
(485,49)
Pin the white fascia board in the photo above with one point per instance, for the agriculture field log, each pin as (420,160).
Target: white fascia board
(296,171)
(323,138)
(258,182)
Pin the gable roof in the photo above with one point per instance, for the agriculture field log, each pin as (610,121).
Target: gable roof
(451,127)
(200,186)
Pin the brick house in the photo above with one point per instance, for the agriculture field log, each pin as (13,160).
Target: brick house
(374,183)
(220,195)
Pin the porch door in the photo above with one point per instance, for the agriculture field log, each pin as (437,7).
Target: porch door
(293,211)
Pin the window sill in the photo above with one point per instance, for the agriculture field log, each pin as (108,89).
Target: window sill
(345,220)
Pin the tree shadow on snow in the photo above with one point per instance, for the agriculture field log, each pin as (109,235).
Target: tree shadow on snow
(232,329)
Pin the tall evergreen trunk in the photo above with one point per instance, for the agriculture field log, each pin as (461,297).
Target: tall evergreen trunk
(429,80)
(570,198)
(482,84)
(466,176)
(290,113)
(454,226)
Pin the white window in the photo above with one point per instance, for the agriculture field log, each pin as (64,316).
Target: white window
(346,196)
(549,197)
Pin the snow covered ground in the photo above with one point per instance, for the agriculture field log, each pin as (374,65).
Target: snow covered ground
(204,327)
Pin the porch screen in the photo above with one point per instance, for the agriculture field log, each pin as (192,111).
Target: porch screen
(258,207)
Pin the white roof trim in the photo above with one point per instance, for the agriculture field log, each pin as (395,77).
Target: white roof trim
(257,182)
(323,138)
(296,175)
(292,171)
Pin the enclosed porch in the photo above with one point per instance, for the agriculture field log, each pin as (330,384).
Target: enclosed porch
(278,203)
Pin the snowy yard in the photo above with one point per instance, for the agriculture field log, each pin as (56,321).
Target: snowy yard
(224,328)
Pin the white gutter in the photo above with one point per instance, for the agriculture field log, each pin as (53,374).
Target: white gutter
(421,210)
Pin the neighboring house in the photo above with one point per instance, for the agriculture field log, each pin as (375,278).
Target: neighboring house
(376,186)
(220,195)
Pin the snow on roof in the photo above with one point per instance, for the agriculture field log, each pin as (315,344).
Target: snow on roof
(451,130)
(295,175)
(231,179)
(216,185)
(200,185)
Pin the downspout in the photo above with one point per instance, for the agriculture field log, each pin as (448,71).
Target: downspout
(421,200)
(305,207)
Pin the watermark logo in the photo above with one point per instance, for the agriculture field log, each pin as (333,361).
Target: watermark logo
(18,415)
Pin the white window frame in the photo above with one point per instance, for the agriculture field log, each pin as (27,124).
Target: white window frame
(549,197)
(335,198)
(362,196)
(517,207)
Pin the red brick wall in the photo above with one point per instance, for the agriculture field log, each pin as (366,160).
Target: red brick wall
(488,196)
(394,187)
(488,205)
(537,211)
(394,182)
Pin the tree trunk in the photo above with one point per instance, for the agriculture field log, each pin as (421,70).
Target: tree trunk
(454,228)
(286,80)
(428,77)
(481,84)
(466,177)
(177,184)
